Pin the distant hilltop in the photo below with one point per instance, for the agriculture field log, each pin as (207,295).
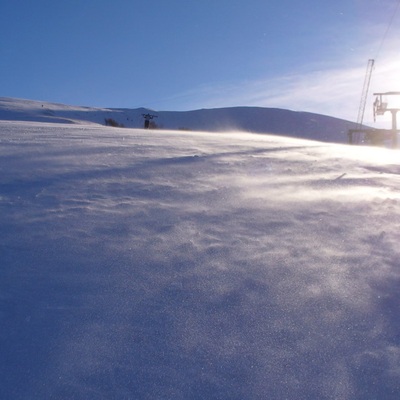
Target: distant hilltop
(249,119)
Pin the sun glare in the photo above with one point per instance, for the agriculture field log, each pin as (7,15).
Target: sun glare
(378,155)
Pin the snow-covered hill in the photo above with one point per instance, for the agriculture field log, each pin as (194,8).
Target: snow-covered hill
(183,265)
(250,119)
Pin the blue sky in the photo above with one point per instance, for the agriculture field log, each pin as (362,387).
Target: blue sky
(181,55)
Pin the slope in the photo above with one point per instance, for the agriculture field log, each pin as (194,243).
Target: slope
(182,265)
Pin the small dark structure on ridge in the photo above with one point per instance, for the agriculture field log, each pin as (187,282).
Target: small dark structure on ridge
(147,119)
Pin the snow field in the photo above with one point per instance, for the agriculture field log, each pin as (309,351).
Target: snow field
(178,265)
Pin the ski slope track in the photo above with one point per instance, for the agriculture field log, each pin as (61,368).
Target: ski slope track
(161,264)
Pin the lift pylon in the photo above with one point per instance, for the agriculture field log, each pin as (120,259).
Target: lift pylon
(364,93)
(381,106)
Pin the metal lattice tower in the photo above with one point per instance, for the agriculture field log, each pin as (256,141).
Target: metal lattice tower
(364,93)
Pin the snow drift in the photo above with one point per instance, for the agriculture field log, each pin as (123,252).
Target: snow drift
(184,265)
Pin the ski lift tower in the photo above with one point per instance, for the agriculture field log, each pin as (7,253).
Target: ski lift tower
(355,134)
(381,106)
(147,119)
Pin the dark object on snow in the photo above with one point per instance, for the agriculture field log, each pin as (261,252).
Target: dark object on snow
(112,122)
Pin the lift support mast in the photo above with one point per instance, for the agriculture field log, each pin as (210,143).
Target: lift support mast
(364,93)
(355,134)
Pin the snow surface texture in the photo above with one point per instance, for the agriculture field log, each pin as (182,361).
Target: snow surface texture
(250,119)
(179,265)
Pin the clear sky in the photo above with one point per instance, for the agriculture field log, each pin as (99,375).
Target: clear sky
(306,55)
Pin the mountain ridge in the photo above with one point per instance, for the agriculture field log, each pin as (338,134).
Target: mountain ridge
(261,120)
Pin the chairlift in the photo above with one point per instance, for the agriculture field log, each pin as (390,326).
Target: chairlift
(380,105)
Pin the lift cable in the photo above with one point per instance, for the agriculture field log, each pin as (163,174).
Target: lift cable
(387,29)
